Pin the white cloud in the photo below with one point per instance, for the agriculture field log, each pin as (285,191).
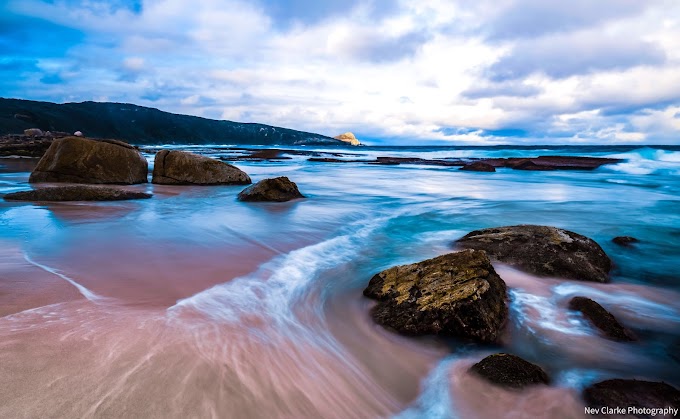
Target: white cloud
(606,72)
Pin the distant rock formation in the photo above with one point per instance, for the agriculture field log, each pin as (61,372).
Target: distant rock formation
(33,132)
(349,138)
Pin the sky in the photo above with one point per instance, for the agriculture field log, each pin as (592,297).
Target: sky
(465,72)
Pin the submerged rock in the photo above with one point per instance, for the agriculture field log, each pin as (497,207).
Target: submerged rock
(542,250)
(510,371)
(478,166)
(278,189)
(457,294)
(625,241)
(601,318)
(173,167)
(634,393)
(82,160)
(76,193)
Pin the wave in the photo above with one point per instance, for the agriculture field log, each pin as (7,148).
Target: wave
(647,161)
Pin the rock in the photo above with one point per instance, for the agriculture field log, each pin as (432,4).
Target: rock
(33,132)
(82,160)
(634,393)
(24,146)
(552,162)
(625,241)
(182,168)
(510,371)
(78,134)
(478,166)
(76,193)
(542,250)
(348,137)
(601,318)
(278,189)
(526,164)
(457,294)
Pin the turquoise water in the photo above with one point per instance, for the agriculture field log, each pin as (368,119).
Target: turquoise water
(267,297)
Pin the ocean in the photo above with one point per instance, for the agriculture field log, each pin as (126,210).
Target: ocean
(193,304)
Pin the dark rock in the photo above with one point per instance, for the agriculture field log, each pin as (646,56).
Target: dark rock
(625,241)
(542,250)
(76,193)
(478,166)
(551,162)
(634,393)
(601,318)
(526,164)
(182,168)
(417,160)
(457,294)
(82,160)
(25,146)
(510,371)
(278,189)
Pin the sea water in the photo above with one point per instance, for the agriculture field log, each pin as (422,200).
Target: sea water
(193,304)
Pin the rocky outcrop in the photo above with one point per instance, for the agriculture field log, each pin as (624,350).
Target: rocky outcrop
(278,189)
(542,250)
(349,138)
(182,168)
(24,146)
(478,166)
(634,393)
(543,163)
(625,241)
(33,132)
(510,371)
(76,193)
(82,160)
(601,318)
(457,294)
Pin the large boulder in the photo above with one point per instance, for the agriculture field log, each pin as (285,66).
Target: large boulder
(542,250)
(173,167)
(601,318)
(457,294)
(76,193)
(82,160)
(510,371)
(278,189)
(637,394)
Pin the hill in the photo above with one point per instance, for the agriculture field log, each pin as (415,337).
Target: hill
(142,125)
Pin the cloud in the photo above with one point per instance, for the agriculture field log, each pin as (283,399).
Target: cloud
(506,88)
(431,71)
(578,53)
(533,18)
